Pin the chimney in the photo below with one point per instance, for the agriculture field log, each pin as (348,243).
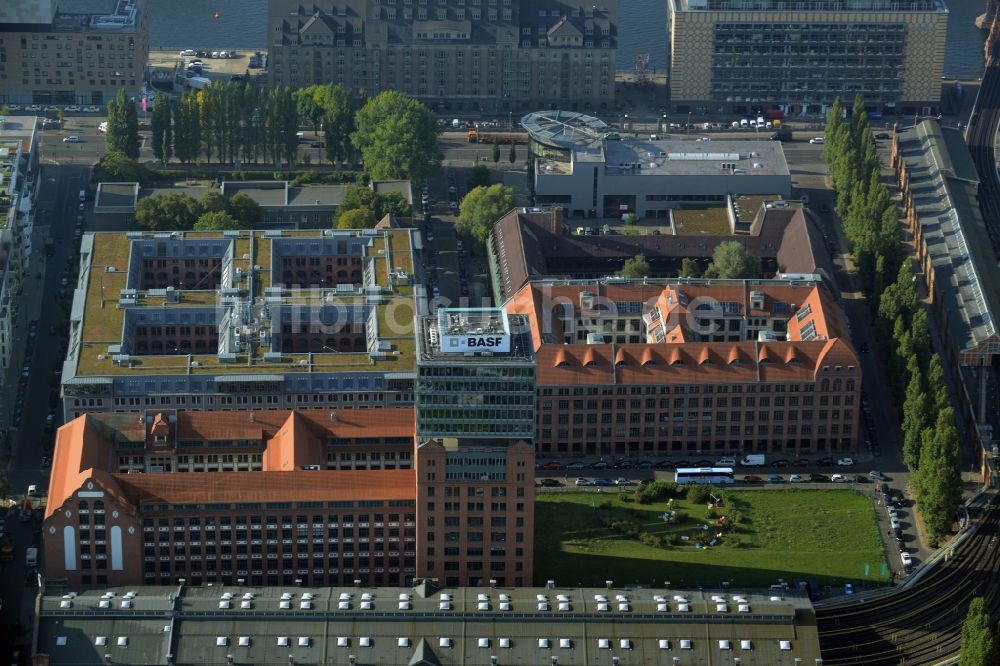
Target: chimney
(557,220)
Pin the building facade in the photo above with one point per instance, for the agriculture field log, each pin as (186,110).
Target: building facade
(475,419)
(54,52)
(242,320)
(739,57)
(497,56)
(689,368)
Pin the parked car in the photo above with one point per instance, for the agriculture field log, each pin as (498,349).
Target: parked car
(825,462)
(664,464)
(801,462)
(819,478)
(861,478)
(781,462)
(622,481)
(602,482)
(752,478)
(796,478)
(600,464)
(817,139)
(775,478)
(576,464)
(877,475)
(72,138)
(549,483)
(845,462)
(838,478)
(552,465)
(583,482)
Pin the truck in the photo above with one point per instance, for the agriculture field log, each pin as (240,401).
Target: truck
(198,82)
(475,136)
(31,557)
(752,460)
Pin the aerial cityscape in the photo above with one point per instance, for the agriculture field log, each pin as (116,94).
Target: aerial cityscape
(485,332)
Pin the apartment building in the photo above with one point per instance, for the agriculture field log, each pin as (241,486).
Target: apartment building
(491,56)
(71,51)
(733,56)
(240,320)
(689,367)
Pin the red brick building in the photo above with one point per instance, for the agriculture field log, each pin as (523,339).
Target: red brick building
(681,368)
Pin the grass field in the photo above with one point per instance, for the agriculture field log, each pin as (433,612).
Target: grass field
(829,535)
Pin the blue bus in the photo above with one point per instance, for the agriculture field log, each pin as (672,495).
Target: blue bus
(706,475)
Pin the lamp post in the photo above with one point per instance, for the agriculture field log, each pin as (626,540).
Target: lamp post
(687,129)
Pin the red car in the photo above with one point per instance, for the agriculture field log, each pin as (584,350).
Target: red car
(752,478)
(555,464)
(801,462)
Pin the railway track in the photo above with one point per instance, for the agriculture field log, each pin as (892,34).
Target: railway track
(921,624)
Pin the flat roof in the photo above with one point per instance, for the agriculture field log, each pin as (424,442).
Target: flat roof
(676,157)
(116,195)
(425,625)
(108,289)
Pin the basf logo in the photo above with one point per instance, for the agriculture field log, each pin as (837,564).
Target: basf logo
(461,344)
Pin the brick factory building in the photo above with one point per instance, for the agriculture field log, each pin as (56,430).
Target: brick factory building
(689,367)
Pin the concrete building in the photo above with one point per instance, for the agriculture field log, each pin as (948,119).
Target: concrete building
(71,51)
(957,255)
(593,176)
(691,367)
(242,320)
(492,57)
(424,625)
(532,244)
(732,56)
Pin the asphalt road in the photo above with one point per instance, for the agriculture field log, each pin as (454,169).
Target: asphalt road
(56,212)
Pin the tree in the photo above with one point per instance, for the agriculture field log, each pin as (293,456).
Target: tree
(979,645)
(690,269)
(397,137)
(338,123)
(123,126)
(60,115)
(246,210)
(356,196)
(730,260)
(167,212)
(636,267)
(216,220)
(478,176)
(481,208)
(496,154)
(160,125)
(939,478)
(392,203)
(117,168)
(213,201)
(356,218)
(937,387)
(512,156)
(915,420)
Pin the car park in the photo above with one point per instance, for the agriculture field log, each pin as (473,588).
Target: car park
(775,478)
(845,462)
(796,478)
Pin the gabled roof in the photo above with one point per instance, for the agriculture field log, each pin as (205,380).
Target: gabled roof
(423,655)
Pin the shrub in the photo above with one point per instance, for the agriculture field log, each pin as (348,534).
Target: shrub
(656,491)
(699,494)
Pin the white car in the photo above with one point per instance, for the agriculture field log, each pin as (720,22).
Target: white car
(906,558)
(838,478)
(187,52)
(895,525)
(817,139)
(576,464)
(73,108)
(72,138)
(92,109)
(845,462)
(32,107)
(583,482)
(796,478)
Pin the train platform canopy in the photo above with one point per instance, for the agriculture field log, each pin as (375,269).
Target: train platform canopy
(564,129)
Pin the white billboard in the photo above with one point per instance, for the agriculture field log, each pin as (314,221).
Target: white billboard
(461,344)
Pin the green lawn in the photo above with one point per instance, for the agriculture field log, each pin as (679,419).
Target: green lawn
(829,535)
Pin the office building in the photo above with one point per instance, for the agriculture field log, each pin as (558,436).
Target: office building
(691,367)
(425,625)
(494,56)
(593,176)
(241,320)
(533,244)
(71,51)
(475,420)
(733,56)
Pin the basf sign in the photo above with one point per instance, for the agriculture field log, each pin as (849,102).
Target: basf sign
(460,344)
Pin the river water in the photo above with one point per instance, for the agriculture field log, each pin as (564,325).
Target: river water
(239,24)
